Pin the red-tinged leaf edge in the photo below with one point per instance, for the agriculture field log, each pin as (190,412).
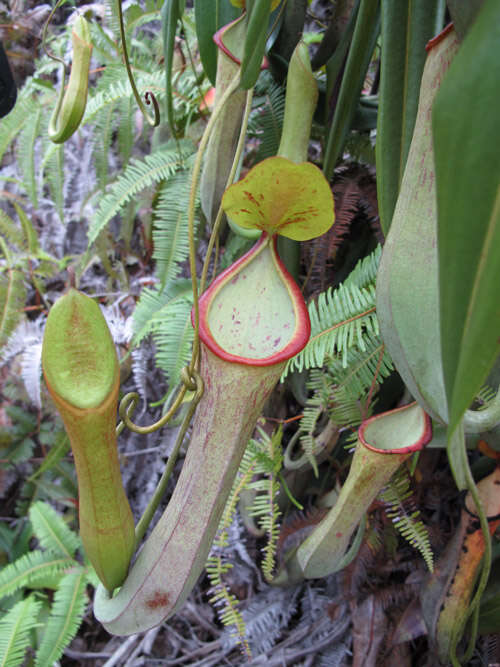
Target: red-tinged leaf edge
(219,40)
(302,331)
(417,445)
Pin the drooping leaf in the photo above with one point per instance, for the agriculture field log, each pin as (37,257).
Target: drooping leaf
(468,201)
(360,52)
(255,42)
(406,28)
(171,14)
(210,15)
(280,197)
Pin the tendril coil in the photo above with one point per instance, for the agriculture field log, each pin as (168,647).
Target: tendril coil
(191,381)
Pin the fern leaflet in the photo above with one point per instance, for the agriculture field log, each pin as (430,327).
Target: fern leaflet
(341,319)
(51,530)
(29,569)
(138,175)
(66,616)
(12,299)
(397,496)
(15,631)
(170,231)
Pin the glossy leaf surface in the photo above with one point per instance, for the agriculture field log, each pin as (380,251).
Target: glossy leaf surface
(468,201)
(407,281)
(406,28)
(210,16)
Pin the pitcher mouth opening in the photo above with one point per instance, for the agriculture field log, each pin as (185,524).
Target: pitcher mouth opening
(254,313)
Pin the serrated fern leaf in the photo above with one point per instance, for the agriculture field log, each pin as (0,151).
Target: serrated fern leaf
(29,569)
(54,176)
(365,271)
(15,121)
(103,135)
(65,618)
(362,367)
(155,303)
(270,122)
(12,299)
(15,631)
(170,226)
(138,175)
(26,154)
(340,319)
(166,315)
(9,230)
(397,497)
(51,530)
(126,128)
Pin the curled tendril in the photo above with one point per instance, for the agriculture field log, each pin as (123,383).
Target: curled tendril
(149,97)
(191,381)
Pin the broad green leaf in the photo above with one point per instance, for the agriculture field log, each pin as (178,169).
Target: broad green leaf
(407,281)
(468,200)
(171,14)
(255,42)
(360,54)
(406,28)
(278,196)
(210,15)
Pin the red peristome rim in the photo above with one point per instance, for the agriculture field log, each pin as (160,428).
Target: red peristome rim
(302,330)
(218,39)
(438,38)
(420,444)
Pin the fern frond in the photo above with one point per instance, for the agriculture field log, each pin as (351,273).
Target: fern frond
(361,368)
(31,568)
(65,618)
(16,628)
(53,169)
(169,324)
(10,230)
(170,228)
(269,122)
(269,458)
(397,497)
(226,602)
(138,175)
(51,530)
(341,319)
(14,122)
(103,127)
(126,128)
(13,295)
(26,154)
(365,271)
(154,304)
